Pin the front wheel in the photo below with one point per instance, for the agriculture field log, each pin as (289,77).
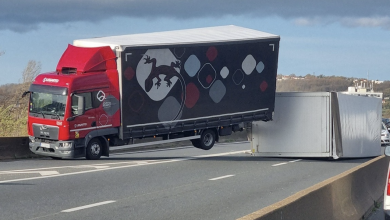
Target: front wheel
(206,141)
(94,149)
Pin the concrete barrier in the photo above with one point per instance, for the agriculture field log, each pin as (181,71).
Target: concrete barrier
(350,195)
(14,148)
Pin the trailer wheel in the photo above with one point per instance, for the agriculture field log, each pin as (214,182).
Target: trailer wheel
(206,141)
(94,149)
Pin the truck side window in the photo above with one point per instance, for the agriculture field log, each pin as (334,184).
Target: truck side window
(88,102)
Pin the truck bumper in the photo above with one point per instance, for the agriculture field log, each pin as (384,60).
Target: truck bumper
(59,149)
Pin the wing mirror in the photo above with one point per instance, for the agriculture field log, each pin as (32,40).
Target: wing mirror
(80,107)
(80,104)
(25,93)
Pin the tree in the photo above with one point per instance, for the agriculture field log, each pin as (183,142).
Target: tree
(31,71)
(13,108)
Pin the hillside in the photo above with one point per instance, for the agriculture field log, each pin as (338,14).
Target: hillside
(13,108)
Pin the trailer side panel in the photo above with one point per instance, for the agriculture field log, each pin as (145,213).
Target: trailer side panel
(199,85)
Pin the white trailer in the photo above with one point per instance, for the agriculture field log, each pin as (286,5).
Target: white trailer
(320,124)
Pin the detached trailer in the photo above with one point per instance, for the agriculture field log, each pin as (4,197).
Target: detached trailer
(321,124)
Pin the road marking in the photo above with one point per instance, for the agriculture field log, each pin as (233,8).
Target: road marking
(151,162)
(48,173)
(42,173)
(221,154)
(279,164)
(76,166)
(98,166)
(88,206)
(221,177)
(275,165)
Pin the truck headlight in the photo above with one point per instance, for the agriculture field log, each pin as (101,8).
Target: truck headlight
(32,139)
(66,145)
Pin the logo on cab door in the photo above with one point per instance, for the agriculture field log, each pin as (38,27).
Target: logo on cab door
(101,96)
(80,125)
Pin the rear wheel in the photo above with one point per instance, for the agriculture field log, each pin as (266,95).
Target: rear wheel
(206,141)
(94,149)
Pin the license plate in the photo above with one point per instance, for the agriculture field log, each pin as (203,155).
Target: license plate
(45,145)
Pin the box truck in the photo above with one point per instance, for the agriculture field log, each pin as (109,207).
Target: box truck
(194,84)
(320,124)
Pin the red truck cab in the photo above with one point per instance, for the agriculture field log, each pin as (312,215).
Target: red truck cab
(74,109)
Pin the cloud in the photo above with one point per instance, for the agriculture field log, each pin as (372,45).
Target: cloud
(312,21)
(25,15)
(383,22)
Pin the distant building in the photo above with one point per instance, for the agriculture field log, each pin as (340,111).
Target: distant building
(364,88)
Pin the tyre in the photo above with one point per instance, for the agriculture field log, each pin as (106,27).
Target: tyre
(195,143)
(94,149)
(206,141)
(56,158)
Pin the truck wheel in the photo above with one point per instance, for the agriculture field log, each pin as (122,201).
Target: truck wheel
(56,158)
(94,149)
(206,141)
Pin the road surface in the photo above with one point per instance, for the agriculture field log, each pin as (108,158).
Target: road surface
(225,182)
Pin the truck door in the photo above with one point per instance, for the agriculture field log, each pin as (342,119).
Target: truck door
(83,124)
(104,105)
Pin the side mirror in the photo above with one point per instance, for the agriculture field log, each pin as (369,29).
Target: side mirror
(80,104)
(387,150)
(80,107)
(25,93)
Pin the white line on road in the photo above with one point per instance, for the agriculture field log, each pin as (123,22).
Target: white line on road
(97,166)
(125,166)
(88,206)
(279,164)
(48,173)
(42,173)
(221,177)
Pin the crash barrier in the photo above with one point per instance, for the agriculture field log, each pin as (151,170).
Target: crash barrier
(15,147)
(350,195)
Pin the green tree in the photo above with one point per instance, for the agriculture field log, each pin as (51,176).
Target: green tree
(13,108)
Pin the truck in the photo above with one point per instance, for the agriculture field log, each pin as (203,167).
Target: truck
(320,125)
(192,84)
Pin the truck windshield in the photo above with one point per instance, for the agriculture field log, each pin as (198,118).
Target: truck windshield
(46,103)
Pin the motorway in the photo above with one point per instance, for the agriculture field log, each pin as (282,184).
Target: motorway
(225,182)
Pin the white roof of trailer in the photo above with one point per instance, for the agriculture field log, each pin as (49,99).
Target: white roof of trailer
(228,33)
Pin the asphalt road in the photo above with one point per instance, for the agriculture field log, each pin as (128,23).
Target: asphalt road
(225,182)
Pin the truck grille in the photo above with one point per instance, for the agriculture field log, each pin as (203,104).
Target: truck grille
(45,131)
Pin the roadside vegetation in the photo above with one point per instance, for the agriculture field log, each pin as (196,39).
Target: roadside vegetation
(13,108)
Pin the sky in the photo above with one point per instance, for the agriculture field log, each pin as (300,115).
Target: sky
(335,37)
